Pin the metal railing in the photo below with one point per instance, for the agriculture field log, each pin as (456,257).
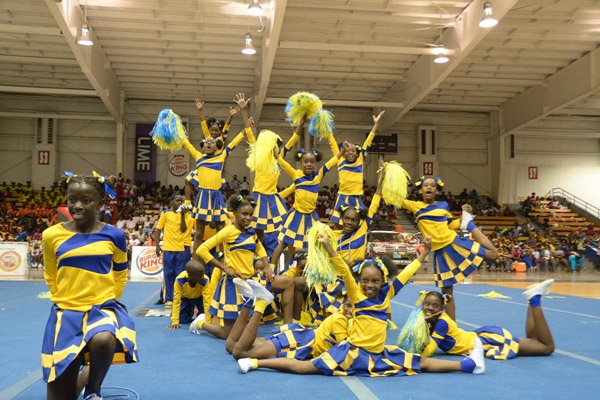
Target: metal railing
(571,198)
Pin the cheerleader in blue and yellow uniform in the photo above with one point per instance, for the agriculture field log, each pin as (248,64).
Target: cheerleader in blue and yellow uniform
(351,173)
(212,127)
(290,340)
(301,216)
(209,205)
(262,160)
(364,352)
(85,267)
(352,238)
(498,343)
(454,257)
(241,244)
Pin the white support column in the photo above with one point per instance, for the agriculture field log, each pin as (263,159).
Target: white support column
(121,139)
(424,75)
(91,59)
(495,156)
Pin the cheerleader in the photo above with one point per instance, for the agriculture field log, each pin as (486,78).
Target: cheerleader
(240,246)
(301,216)
(498,343)
(364,352)
(212,127)
(350,170)
(352,238)
(290,341)
(454,258)
(262,160)
(85,267)
(209,205)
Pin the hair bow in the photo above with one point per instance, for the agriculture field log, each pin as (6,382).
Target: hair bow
(315,152)
(419,181)
(422,295)
(69,175)
(102,180)
(302,151)
(374,261)
(439,182)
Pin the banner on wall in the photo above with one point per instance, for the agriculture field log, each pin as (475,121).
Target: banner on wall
(179,165)
(145,265)
(13,259)
(145,154)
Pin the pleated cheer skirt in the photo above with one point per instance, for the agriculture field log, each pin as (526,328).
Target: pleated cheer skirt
(498,343)
(68,332)
(269,211)
(348,200)
(294,228)
(454,262)
(209,206)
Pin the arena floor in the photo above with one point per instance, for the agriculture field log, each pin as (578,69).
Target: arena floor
(178,365)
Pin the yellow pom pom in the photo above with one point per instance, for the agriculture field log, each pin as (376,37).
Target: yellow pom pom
(395,184)
(319,267)
(300,104)
(260,154)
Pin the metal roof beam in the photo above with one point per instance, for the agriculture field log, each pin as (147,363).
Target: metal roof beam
(424,75)
(92,60)
(567,86)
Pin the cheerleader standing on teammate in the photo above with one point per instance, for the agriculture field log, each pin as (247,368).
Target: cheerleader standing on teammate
(364,352)
(85,267)
(301,216)
(498,343)
(454,258)
(352,238)
(241,245)
(206,176)
(262,159)
(212,127)
(351,174)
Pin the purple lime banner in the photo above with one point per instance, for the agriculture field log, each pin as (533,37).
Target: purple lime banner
(145,154)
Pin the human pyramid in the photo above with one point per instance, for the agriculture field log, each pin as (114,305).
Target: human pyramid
(334,303)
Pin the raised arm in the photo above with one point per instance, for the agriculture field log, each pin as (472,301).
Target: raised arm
(333,144)
(369,139)
(342,269)
(294,139)
(232,112)
(242,104)
(286,167)
(376,200)
(200,107)
(191,149)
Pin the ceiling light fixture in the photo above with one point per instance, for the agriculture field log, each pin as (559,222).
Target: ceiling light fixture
(488,20)
(248,47)
(255,8)
(440,55)
(85,39)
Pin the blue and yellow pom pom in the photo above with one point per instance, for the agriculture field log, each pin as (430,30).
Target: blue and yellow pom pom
(319,267)
(168,132)
(321,124)
(395,184)
(300,104)
(261,159)
(414,335)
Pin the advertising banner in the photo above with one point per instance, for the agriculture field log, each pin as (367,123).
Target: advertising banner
(13,259)
(145,265)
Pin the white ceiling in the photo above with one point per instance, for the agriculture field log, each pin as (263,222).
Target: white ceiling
(352,53)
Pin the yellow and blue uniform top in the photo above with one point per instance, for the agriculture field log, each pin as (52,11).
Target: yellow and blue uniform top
(351,175)
(267,183)
(434,220)
(331,331)
(293,272)
(369,326)
(182,288)
(307,186)
(173,239)
(353,246)
(448,337)
(208,169)
(239,248)
(84,269)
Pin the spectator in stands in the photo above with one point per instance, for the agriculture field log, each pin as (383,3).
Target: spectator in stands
(244,187)
(235,184)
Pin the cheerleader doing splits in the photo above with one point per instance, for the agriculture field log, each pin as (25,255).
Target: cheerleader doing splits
(364,352)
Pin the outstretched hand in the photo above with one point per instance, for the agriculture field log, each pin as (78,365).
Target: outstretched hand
(241,100)
(377,118)
(199,104)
